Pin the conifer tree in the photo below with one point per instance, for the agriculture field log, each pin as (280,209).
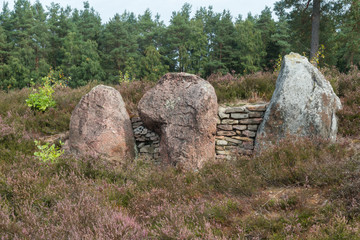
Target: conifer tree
(349,36)
(88,23)
(40,36)
(250,48)
(118,43)
(153,68)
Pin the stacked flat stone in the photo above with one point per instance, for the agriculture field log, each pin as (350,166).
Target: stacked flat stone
(236,129)
(147,142)
(235,134)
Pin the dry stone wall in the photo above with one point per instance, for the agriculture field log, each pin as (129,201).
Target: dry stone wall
(236,129)
(236,132)
(147,141)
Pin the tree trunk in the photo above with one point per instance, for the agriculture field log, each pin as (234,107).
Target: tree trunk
(315,28)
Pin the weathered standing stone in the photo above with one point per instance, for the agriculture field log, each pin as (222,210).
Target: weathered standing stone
(303,104)
(101,127)
(183,109)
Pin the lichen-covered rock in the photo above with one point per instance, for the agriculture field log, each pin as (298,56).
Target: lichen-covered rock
(182,109)
(303,105)
(100,126)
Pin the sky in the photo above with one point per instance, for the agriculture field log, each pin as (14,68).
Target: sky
(108,8)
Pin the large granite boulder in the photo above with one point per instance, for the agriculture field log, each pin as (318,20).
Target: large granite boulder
(303,105)
(182,109)
(100,126)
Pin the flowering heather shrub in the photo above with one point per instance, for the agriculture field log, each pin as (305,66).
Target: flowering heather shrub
(38,203)
(305,162)
(349,91)
(347,193)
(13,141)
(231,87)
(5,129)
(333,76)
(132,92)
(91,198)
(349,116)
(337,228)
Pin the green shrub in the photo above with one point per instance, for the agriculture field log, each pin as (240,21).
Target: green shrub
(48,153)
(41,99)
